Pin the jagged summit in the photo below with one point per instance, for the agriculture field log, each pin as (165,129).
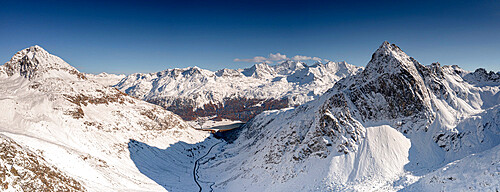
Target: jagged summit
(35,48)
(191,71)
(341,66)
(389,58)
(289,66)
(260,70)
(481,77)
(395,121)
(194,92)
(227,73)
(81,127)
(400,87)
(396,126)
(34,61)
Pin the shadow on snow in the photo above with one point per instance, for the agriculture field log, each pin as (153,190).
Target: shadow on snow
(171,168)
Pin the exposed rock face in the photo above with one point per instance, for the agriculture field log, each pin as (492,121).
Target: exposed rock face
(444,117)
(380,129)
(82,126)
(391,87)
(242,109)
(35,61)
(481,77)
(24,170)
(235,94)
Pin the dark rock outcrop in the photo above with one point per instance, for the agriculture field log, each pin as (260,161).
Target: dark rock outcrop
(242,109)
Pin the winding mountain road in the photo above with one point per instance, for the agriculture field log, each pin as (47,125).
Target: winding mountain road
(195,169)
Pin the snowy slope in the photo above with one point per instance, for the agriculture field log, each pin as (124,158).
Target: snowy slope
(105,79)
(235,94)
(395,125)
(85,129)
(477,172)
(24,170)
(385,128)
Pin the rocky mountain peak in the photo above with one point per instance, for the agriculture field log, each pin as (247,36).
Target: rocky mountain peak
(481,77)
(191,71)
(339,66)
(289,66)
(391,87)
(227,73)
(36,49)
(389,58)
(34,61)
(260,70)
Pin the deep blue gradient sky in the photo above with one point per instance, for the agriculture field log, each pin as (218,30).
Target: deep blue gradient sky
(149,36)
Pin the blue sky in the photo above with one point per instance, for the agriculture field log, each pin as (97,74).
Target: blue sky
(149,36)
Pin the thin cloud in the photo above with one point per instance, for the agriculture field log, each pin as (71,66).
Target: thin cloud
(256,59)
(317,59)
(260,59)
(301,58)
(278,57)
(305,58)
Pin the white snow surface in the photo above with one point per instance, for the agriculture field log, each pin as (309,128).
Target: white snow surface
(292,80)
(359,137)
(106,79)
(395,126)
(24,170)
(476,172)
(85,129)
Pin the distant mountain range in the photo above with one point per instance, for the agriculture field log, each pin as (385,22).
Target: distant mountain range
(61,131)
(235,94)
(395,125)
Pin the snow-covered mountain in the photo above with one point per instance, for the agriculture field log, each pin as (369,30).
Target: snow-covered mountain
(397,125)
(105,79)
(394,125)
(24,170)
(235,94)
(60,131)
(481,77)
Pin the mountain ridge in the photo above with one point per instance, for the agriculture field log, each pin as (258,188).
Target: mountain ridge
(432,116)
(34,61)
(395,125)
(81,127)
(193,92)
